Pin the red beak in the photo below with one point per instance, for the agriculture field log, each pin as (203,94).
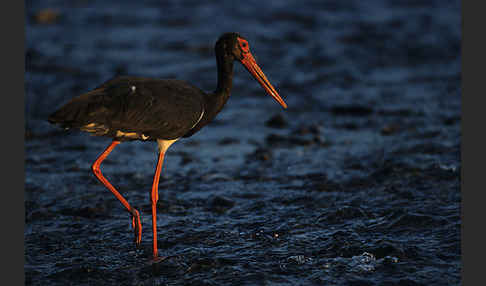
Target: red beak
(249,62)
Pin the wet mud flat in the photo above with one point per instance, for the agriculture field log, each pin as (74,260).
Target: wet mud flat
(357,183)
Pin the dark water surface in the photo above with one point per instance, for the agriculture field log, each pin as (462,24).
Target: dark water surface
(357,183)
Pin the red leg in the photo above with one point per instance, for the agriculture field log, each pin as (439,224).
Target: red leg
(136,224)
(155,197)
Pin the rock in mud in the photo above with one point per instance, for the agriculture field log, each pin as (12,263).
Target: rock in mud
(277,121)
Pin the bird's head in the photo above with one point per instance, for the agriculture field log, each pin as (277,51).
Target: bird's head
(235,47)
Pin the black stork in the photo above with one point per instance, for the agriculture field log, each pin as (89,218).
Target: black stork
(164,110)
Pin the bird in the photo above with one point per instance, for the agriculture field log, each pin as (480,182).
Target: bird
(128,108)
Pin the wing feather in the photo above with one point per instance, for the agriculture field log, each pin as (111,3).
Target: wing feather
(150,108)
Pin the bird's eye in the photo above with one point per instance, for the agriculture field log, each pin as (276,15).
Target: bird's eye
(243,45)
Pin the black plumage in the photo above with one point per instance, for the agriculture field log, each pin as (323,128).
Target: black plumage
(135,108)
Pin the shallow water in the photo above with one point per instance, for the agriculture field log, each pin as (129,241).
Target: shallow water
(357,183)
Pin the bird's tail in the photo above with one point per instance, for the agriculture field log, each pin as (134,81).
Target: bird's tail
(80,111)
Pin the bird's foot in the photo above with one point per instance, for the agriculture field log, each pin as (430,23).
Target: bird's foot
(137,227)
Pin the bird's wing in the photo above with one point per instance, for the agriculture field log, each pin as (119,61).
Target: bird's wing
(156,109)
(164,109)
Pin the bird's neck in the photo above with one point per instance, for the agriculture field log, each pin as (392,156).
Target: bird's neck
(216,100)
(225,76)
